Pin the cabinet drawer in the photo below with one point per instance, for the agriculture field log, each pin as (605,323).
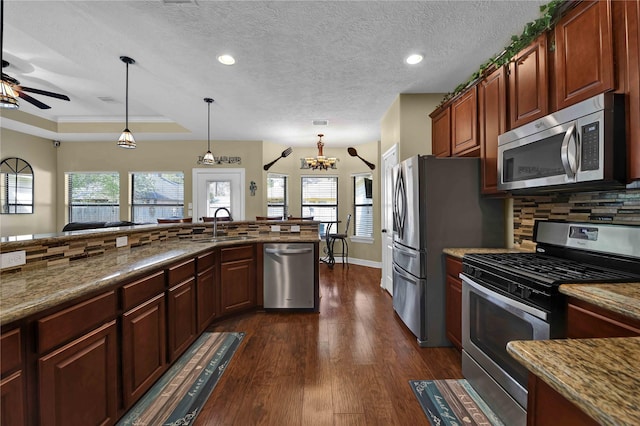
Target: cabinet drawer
(74,321)
(181,272)
(206,261)
(139,291)
(231,254)
(454,266)
(10,353)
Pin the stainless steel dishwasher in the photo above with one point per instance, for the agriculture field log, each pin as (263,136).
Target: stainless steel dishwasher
(289,276)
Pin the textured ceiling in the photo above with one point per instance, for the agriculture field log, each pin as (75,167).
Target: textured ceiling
(296,61)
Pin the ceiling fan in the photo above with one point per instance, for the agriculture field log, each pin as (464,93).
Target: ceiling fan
(11,87)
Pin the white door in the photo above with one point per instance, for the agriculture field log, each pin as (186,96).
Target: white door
(218,188)
(389,159)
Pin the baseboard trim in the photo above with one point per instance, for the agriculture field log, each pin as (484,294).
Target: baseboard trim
(361,262)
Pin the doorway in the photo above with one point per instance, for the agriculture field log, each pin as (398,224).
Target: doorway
(389,160)
(213,189)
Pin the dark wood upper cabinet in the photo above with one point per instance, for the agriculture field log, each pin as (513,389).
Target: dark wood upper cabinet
(492,118)
(464,124)
(583,53)
(441,133)
(529,84)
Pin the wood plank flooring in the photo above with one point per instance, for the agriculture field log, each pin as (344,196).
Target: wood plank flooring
(348,365)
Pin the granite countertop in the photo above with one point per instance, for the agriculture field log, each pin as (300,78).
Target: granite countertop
(600,376)
(460,252)
(26,293)
(623,298)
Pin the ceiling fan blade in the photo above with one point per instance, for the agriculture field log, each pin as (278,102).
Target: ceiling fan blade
(33,101)
(45,93)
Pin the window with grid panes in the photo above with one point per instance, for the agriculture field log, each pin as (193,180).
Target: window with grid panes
(363,205)
(94,196)
(320,199)
(156,195)
(277,195)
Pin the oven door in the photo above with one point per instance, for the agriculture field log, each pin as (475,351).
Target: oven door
(491,320)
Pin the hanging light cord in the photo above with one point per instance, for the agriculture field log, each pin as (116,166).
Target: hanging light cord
(126,125)
(208,126)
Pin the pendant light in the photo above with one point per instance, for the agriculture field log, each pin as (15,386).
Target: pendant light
(126,138)
(8,97)
(207,159)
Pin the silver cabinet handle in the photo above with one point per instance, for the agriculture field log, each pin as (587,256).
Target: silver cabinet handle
(288,251)
(569,155)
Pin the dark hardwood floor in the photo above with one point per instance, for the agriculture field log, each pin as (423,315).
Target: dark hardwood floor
(348,365)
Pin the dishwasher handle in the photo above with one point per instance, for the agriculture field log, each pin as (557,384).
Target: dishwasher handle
(287,251)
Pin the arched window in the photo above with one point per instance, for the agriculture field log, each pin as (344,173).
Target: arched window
(16,186)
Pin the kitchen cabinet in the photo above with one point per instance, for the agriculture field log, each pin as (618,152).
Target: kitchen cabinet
(12,381)
(144,338)
(453,267)
(237,279)
(441,132)
(585,320)
(206,290)
(492,120)
(181,308)
(78,363)
(545,406)
(583,53)
(528,84)
(464,124)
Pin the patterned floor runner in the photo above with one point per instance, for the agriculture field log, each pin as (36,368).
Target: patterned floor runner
(178,396)
(453,403)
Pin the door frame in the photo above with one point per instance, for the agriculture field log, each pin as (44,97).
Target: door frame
(386,216)
(235,175)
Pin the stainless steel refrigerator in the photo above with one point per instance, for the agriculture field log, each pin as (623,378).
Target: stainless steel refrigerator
(436,204)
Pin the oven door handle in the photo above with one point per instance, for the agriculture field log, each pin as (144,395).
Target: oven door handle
(505,301)
(569,152)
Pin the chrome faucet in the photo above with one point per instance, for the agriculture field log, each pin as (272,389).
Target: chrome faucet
(215,219)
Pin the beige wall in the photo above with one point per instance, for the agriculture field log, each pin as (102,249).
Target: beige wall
(41,155)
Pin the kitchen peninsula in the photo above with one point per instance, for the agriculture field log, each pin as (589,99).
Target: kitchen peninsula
(127,312)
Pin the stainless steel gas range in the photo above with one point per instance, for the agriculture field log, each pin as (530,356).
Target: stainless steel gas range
(514,296)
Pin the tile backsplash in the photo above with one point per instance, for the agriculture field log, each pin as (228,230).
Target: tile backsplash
(621,207)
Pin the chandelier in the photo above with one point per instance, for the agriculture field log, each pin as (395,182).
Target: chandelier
(320,162)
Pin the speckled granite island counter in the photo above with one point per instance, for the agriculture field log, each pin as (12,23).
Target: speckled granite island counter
(600,376)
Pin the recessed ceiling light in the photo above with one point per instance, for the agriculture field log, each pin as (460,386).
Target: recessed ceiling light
(414,59)
(226,59)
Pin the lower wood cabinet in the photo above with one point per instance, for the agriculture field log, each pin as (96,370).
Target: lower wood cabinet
(237,279)
(12,382)
(206,296)
(585,320)
(454,301)
(181,302)
(545,406)
(78,382)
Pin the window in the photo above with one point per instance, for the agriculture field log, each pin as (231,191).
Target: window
(320,198)
(277,195)
(156,195)
(94,197)
(363,205)
(16,186)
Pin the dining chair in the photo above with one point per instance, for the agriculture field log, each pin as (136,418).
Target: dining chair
(268,217)
(176,220)
(342,237)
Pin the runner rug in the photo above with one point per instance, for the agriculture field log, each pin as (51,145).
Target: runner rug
(452,403)
(178,396)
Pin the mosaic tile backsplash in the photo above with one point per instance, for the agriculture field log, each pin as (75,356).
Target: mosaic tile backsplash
(619,207)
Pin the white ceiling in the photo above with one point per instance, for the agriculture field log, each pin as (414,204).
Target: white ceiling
(296,61)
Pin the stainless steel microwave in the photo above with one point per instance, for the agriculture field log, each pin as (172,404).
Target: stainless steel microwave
(583,144)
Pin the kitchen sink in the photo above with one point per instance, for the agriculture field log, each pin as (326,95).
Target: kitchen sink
(225,238)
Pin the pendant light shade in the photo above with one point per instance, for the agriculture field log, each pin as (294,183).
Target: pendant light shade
(126,139)
(207,158)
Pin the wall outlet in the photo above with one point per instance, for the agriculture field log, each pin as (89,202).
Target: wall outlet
(275,228)
(14,258)
(295,228)
(122,241)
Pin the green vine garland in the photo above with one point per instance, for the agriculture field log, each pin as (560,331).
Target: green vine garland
(531,31)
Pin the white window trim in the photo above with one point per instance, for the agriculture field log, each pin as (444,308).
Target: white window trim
(355,238)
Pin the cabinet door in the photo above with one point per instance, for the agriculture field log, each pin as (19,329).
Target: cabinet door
(206,298)
(181,317)
(585,320)
(144,345)
(492,118)
(78,382)
(454,301)
(545,406)
(584,53)
(441,133)
(529,84)
(464,123)
(12,400)
(238,288)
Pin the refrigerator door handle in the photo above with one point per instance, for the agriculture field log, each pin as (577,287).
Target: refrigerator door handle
(400,204)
